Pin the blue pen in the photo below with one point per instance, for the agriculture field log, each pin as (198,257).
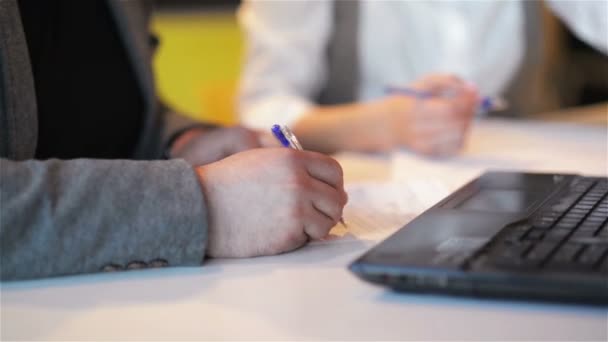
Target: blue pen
(487,103)
(287,139)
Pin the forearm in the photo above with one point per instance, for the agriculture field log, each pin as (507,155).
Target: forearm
(356,126)
(78,216)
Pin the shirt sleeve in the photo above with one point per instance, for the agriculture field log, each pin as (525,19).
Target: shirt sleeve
(588,19)
(285,64)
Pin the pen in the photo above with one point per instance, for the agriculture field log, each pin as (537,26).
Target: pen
(287,139)
(487,103)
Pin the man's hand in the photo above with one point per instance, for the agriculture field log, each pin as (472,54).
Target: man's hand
(200,146)
(433,126)
(270,201)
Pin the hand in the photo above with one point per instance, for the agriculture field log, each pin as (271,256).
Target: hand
(437,125)
(200,146)
(270,201)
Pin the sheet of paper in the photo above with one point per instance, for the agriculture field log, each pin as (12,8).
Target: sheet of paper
(377,209)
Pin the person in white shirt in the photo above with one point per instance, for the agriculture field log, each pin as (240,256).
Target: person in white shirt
(322,67)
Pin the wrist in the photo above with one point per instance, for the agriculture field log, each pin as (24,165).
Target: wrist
(382,116)
(182,138)
(201,176)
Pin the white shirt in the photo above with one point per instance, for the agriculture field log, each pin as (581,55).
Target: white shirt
(399,41)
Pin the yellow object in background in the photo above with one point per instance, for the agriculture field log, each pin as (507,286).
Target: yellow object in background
(198,63)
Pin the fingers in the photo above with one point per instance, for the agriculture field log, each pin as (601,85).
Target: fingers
(325,169)
(325,195)
(439,82)
(460,96)
(438,125)
(318,225)
(324,211)
(327,200)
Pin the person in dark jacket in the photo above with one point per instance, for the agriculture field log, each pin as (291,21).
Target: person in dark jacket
(97,175)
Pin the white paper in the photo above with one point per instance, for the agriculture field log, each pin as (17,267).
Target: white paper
(376,210)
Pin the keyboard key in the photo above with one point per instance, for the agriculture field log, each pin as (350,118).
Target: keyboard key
(591,240)
(566,224)
(534,234)
(557,235)
(582,234)
(564,203)
(511,255)
(514,252)
(584,205)
(592,254)
(577,210)
(595,220)
(604,265)
(515,233)
(589,226)
(566,253)
(541,251)
(599,214)
(544,221)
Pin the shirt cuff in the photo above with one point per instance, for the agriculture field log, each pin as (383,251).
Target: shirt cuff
(282,110)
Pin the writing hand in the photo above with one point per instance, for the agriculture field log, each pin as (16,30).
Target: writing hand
(270,201)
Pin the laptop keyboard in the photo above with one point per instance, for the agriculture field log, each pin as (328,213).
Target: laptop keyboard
(570,233)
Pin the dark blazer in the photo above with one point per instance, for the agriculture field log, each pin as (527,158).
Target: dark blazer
(61,217)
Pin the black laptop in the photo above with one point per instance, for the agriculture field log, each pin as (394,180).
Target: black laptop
(504,234)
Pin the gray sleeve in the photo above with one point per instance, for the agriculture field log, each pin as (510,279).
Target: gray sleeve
(80,216)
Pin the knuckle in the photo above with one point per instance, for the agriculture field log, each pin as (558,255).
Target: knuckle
(337,168)
(325,226)
(316,229)
(336,203)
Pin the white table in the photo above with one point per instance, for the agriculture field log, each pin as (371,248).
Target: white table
(309,294)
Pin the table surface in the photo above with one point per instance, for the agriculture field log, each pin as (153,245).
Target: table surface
(309,294)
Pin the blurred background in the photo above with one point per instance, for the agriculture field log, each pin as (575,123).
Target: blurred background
(199,60)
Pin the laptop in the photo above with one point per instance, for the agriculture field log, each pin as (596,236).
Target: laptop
(504,234)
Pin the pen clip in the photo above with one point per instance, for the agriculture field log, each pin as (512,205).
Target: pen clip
(293,141)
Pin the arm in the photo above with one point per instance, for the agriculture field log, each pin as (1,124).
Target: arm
(285,67)
(284,70)
(79,216)
(435,126)
(363,126)
(587,18)
(83,216)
